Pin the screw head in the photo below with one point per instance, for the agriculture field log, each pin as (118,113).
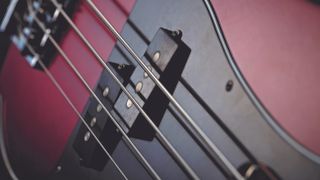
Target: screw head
(105,92)
(177,33)
(87,136)
(93,121)
(121,66)
(58,169)
(139,86)
(156,56)
(229,85)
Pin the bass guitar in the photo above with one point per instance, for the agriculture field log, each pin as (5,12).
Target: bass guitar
(149,89)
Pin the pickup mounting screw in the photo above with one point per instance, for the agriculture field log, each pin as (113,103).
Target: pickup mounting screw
(121,66)
(58,169)
(139,86)
(99,108)
(177,33)
(229,85)
(87,136)
(156,56)
(105,92)
(129,103)
(93,121)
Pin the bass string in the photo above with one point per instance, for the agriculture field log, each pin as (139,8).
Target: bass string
(202,137)
(159,135)
(58,86)
(127,140)
(206,143)
(62,92)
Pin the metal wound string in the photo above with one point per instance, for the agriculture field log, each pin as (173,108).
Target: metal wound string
(162,139)
(58,86)
(128,142)
(200,134)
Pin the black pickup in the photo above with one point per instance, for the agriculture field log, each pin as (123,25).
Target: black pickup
(165,57)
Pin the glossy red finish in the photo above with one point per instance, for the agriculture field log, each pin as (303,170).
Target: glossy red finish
(38,119)
(276,46)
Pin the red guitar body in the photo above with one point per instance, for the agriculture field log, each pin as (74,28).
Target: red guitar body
(274,46)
